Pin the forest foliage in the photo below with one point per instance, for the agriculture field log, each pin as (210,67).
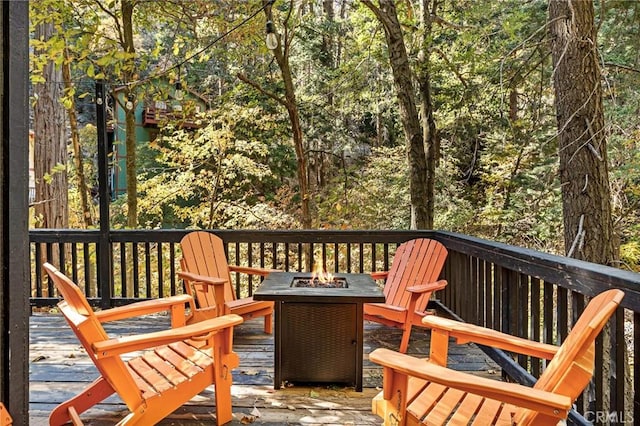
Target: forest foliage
(493,104)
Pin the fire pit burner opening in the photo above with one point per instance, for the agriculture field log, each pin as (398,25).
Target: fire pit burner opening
(314,282)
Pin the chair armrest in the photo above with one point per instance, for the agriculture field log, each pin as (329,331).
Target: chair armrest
(552,404)
(189,276)
(252,271)
(380,275)
(424,288)
(465,333)
(142,308)
(127,344)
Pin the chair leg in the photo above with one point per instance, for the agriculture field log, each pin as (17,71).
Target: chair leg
(268,323)
(406,333)
(97,391)
(222,388)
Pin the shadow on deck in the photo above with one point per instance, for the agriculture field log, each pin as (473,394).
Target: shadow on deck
(59,368)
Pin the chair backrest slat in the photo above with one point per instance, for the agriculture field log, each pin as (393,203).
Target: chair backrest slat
(571,369)
(203,254)
(415,262)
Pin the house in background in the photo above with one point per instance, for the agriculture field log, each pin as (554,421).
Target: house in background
(162,103)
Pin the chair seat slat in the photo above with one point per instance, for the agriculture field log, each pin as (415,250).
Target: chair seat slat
(172,374)
(180,363)
(149,373)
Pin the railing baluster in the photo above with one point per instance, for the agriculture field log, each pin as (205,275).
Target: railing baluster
(286,256)
(237,275)
(123,270)
(373,257)
(536,321)
(250,260)
(386,257)
(63,257)
(74,262)
(147,269)
(488,294)
(39,281)
(135,276)
(50,258)
(87,270)
(523,314)
(312,257)
(274,254)
(172,268)
(159,272)
(563,313)
(503,299)
(323,255)
(477,311)
(548,313)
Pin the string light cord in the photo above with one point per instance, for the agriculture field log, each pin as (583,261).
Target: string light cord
(208,46)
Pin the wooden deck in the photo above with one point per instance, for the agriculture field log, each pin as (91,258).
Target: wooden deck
(59,368)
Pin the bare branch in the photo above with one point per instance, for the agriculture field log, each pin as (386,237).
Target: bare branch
(262,90)
(437,19)
(452,68)
(622,66)
(116,21)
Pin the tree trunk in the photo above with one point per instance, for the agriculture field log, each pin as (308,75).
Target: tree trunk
(132,175)
(429,131)
(327,43)
(588,226)
(329,63)
(584,177)
(411,124)
(281,53)
(130,120)
(75,141)
(50,148)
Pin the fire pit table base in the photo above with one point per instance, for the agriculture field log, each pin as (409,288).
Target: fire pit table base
(318,331)
(323,343)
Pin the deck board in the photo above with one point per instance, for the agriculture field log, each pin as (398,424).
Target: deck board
(59,368)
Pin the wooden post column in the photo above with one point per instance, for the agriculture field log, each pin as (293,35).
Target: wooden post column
(14,249)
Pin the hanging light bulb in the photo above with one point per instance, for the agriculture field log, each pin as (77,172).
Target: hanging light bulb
(272,38)
(178,94)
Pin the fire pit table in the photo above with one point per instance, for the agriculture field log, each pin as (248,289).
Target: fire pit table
(318,327)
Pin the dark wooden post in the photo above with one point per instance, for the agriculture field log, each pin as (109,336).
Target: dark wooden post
(14,250)
(104,244)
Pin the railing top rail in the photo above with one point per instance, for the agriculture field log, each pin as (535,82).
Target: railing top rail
(584,277)
(241,235)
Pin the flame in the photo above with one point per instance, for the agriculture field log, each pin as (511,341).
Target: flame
(320,274)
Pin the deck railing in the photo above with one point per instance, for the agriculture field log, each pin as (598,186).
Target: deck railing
(519,291)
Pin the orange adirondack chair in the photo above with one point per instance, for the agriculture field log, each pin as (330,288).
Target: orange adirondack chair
(207,277)
(5,418)
(176,364)
(418,391)
(409,283)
